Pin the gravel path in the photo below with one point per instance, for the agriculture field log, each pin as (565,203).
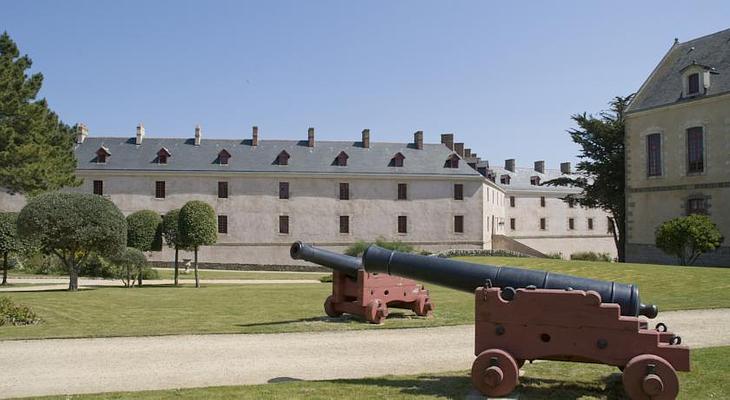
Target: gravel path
(42,284)
(59,366)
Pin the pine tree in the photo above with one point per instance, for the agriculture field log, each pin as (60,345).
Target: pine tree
(36,148)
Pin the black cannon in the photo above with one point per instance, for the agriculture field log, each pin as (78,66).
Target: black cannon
(468,276)
(357,292)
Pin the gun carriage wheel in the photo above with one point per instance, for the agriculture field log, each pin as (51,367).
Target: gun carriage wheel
(495,373)
(329,308)
(650,377)
(376,312)
(422,306)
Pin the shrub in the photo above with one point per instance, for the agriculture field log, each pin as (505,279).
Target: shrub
(479,253)
(688,238)
(16,314)
(144,230)
(358,248)
(197,226)
(591,256)
(555,256)
(326,278)
(129,264)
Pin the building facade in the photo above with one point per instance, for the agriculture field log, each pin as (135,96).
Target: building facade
(678,146)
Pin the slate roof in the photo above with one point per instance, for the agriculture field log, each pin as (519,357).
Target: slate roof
(185,156)
(520,180)
(665,85)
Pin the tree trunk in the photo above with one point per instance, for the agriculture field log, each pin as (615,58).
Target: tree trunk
(73,283)
(5,270)
(197,278)
(619,236)
(176,270)
(128,283)
(139,278)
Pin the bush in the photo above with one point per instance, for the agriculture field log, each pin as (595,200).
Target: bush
(144,230)
(357,249)
(555,256)
(591,256)
(326,278)
(16,314)
(688,238)
(479,253)
(129,264)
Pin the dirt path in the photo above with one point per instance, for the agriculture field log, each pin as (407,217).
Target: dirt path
(44,367)
(43,284)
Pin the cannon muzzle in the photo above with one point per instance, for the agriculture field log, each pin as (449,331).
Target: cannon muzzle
(469,276)
(339,262)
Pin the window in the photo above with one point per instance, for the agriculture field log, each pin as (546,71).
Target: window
(512,201)
(696,205)
(609,226)
(344,224)
(223,157)
(160,189)
(653,155)
(222,190)
(102,154)
(693,84)
(222,224)
(695,150)
(162,155)
(459,191)
(458,224)
(571,202)
(402,191)
(452,161)
(590,224)
(284,224)
(402,224)
(283,190)
(535,180)
(344,191)
(504,179)
(282,158)
(341,159)
(543,224)
(397,160)
(571,223)
(542,201)
(99,188)
(512,223)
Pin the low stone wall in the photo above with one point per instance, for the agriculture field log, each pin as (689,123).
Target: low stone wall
(650,254)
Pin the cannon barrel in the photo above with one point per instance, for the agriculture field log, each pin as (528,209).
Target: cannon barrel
(469,276)
(339,262)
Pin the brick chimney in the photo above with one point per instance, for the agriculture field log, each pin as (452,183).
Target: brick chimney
(540,166)
(467,153)
(255,136)
(81,132)
(140,134)
(418,140)
(366,138)
(448,140)
(509,165)
(198,134)
(459,149)
(310,137)
(565,168)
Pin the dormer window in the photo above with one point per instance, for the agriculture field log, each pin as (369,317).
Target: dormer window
(535,180)
(341,159)
(162,155)
(491,175)
(102,154)
(452,161)
(397,160)
(693,83)
(282,158)
(505,179)
(223,157)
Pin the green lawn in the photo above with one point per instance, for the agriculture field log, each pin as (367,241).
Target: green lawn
(709,379)
(290,308)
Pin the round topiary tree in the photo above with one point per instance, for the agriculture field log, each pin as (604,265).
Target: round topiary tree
(144,232)
(9,241)
(197,227)
(171,233)
(71,226)
(688,238)
(130,262)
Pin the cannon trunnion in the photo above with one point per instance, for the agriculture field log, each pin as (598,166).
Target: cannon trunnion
(357,292)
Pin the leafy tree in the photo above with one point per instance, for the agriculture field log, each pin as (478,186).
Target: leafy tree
(9,241)
(71,226)
(131,262)
(601,171)
(36,148)
(144,232)
(358,248)
(197,227)
(172,237)
(688,237)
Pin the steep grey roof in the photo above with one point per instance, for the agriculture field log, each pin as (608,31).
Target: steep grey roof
(665,85)
(520,180)
(185,156)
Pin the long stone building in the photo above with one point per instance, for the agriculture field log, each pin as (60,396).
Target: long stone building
(678,146)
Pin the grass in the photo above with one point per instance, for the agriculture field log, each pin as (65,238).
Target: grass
(164,310)
(709,379)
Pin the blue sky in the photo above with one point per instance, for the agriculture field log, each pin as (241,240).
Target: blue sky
(504,77)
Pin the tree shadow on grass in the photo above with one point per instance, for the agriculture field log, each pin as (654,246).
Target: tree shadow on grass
(344,319)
